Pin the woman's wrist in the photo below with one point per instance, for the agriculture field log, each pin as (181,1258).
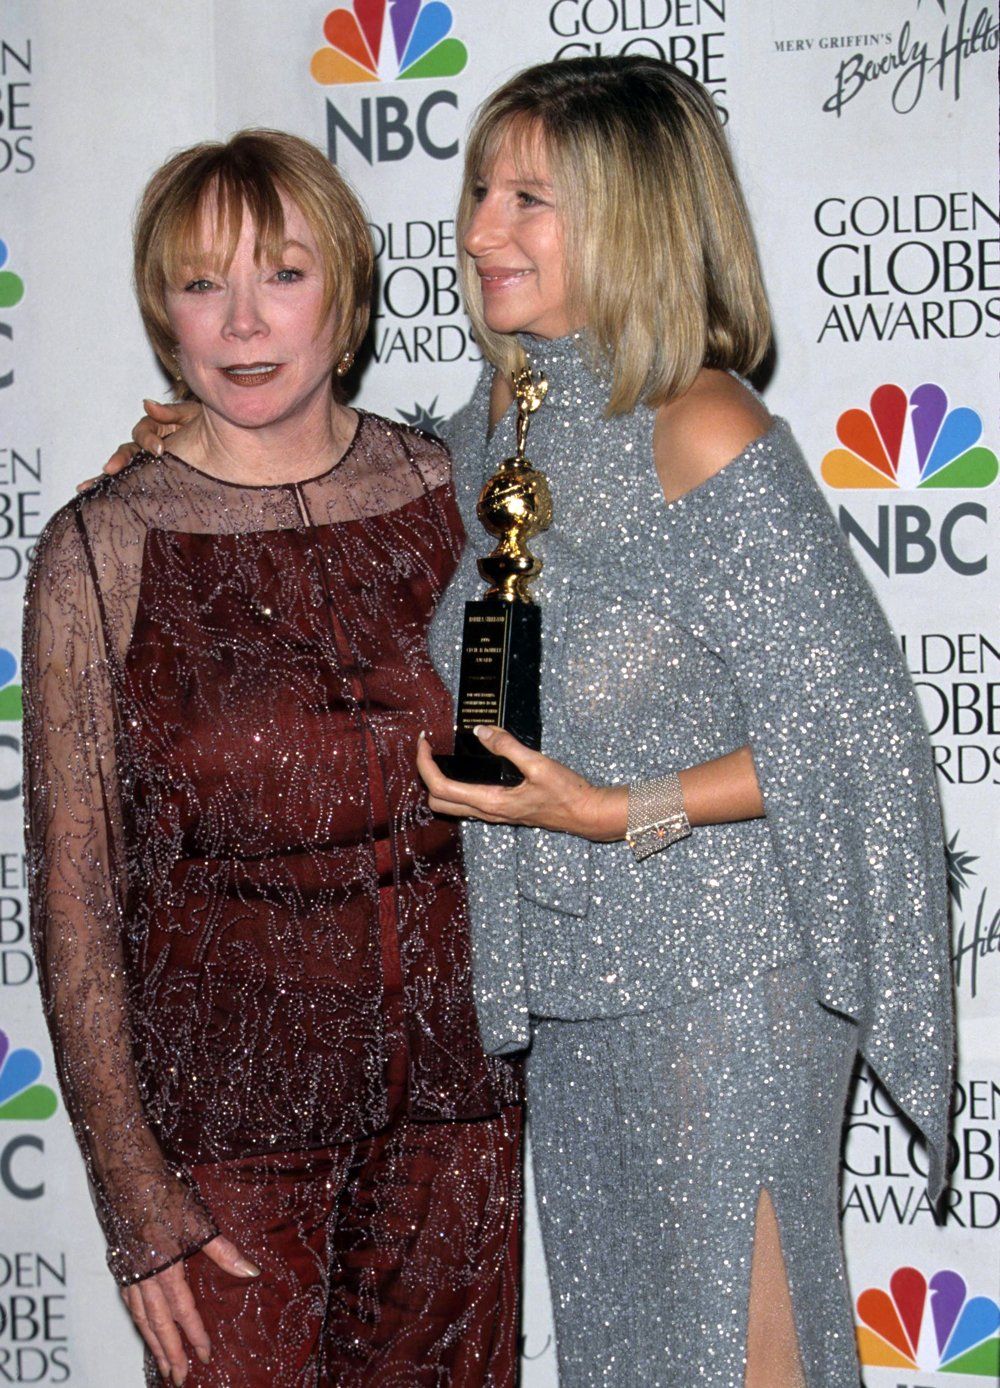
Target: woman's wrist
(604,814)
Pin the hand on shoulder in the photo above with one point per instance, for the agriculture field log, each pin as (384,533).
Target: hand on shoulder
(699,432)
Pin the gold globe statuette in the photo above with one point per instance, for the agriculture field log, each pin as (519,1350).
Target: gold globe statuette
(500,673)
(514,505)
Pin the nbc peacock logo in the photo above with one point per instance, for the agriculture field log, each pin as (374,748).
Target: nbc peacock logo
(929,1324)
(912,441)
(11,293)
(22,1098)
(382,40)
(10,693)
(11,285)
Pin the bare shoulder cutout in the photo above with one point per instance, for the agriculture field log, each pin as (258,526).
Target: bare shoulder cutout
(696,435)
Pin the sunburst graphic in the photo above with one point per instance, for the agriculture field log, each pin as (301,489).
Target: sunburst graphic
(381,40)
(21,1099)
(960,1333)
(946,442)
(959,868)
(424,417)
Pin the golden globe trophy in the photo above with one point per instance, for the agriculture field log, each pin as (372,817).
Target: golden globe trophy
(502,636)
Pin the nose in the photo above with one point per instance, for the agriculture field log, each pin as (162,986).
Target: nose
(244,318)
(485,231)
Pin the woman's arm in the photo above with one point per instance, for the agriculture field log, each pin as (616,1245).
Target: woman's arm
(151,1216)
(551,796)
(693,438)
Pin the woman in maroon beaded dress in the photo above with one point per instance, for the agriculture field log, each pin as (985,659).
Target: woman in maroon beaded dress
(251,932)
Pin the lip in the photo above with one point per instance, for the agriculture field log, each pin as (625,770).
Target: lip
(498,277)
(251,373)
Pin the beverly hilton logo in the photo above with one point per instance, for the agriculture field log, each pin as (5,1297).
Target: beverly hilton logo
(913,442)
(929,1325)
(21,1098)
(381,40)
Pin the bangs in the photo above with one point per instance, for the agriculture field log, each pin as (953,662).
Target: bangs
(521,134)
(192,212)
(202,228)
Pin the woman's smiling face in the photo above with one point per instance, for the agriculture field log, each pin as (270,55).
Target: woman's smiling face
(252,342)
(515,238)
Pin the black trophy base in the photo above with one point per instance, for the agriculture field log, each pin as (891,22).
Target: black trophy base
(498,686)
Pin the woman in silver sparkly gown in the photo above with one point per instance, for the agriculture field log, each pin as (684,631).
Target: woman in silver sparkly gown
(712,658)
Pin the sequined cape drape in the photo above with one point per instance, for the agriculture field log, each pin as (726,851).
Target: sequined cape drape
(671,635)
(229,849)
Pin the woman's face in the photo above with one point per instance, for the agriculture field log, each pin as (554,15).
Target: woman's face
(252,342)
(515,238)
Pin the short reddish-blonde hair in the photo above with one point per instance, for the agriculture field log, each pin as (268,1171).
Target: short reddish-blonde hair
(248,174)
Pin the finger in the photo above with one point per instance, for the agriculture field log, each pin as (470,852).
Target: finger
(172,415)
(449,807)
(461,796)
(133,1300)
(85,486)
(147,435)
(162,1321)
(228,1257)
(121,457)
(186,1315)
(504,744)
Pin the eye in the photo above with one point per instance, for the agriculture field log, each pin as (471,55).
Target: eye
(197,286)
(288,275)
(527,199)
(478,191)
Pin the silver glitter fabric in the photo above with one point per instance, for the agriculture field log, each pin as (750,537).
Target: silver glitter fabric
(251,931)
(673,633)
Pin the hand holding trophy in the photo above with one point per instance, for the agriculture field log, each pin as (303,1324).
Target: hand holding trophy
(502,636)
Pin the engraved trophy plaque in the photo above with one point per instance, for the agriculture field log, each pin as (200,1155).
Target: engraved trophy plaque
(502,635)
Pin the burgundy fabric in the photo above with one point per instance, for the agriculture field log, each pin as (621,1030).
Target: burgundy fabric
(393,1261)
(252,933)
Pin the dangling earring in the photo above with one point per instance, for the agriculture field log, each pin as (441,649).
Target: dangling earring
(176,368)
(345,364)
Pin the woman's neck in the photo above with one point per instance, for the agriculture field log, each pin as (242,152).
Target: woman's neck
(293,449)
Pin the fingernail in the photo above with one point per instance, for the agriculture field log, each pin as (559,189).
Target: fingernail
(483,732)
(247,1269)
(159,448)
(178,1379)
(204,1354)
(421,736)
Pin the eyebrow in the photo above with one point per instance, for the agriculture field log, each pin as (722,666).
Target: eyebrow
(521,182)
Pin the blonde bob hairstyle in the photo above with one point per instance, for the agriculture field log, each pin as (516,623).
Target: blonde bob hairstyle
(661,263)
(247,175)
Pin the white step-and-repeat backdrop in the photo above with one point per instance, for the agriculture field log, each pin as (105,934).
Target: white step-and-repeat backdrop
(864,132)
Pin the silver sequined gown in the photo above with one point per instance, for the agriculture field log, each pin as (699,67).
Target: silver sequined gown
(693,1018)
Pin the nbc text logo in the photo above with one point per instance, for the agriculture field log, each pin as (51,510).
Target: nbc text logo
(929,1325)
(385,41)
(11,293)
(913,442)
(22,1100)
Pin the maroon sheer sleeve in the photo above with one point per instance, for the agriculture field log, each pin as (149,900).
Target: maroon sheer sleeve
(75,840)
